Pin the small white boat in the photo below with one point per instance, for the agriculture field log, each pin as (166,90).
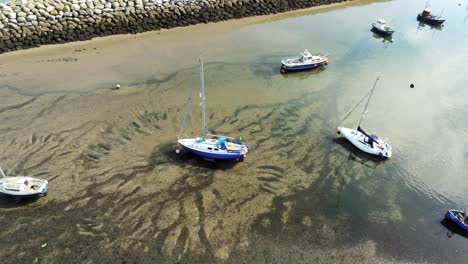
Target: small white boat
(381,27)
(22,185)
(362,140)
(306,61)
(210,146)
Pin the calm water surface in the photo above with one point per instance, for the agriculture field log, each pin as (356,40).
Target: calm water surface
(321,193)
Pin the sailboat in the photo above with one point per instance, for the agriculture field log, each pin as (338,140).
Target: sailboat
(209,145)
(22,185)
(361,139)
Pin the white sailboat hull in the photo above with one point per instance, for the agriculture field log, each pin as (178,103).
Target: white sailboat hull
(23,186)
(362,142)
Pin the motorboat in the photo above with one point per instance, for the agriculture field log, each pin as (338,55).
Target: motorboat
(364,141)
(381,27)
(22,185)
(427,17)
(209,145)
(306,61)
(458,217)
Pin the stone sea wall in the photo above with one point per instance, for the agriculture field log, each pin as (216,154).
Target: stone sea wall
(31,23)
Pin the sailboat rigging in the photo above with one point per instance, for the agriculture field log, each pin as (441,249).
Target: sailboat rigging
(358,137)
(208,145)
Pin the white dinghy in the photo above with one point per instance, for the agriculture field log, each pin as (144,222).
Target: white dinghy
(362,140)
(22,185)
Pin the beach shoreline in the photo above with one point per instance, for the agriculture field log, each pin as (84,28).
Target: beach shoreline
(36,23)
(210,28)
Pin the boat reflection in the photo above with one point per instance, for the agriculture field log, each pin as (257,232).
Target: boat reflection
(356,154)
(385,39)
(422,25)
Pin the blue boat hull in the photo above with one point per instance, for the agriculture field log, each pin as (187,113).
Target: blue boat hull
(211,155)
(302,67)
(450,216)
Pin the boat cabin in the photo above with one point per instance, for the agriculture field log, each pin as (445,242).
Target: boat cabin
(306,56)
(426,12)
(381,21)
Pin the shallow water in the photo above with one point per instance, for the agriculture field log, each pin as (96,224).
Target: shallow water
(119,193)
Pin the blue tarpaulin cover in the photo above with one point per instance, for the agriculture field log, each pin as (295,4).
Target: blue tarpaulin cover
(222,142)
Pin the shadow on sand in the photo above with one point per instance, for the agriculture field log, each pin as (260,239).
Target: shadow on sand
(188,158)
(453,228)
(356,154)
(8,201)
(303,74)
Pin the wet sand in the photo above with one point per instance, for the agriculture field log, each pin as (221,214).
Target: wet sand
(119,194)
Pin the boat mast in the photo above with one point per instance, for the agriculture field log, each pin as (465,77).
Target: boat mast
(367,104)
(3,174)
(189,99)
(202,95)
(426,4)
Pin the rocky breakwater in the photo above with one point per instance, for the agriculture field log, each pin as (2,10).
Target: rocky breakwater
(31,23)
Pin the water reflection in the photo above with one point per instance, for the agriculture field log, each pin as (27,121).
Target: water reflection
(384,39)
(422,25)
(357,155)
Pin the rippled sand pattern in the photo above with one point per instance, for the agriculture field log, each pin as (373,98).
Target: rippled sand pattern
(119,193)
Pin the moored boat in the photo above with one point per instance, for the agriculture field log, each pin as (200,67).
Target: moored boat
(215,147)
(428,18)
(208,145)
(366,142)
(458,217)
(306,61)
(22,185)
(369,143)
(381,27)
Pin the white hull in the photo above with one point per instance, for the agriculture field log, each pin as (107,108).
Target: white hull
(23,186)
(362,142)
(211,148)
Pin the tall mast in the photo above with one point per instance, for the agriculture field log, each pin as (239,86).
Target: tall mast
(3,174)
(367,104)
(202,95)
